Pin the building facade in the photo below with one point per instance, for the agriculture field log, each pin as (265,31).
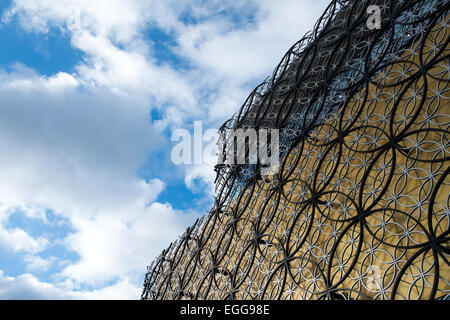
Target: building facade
(358,205)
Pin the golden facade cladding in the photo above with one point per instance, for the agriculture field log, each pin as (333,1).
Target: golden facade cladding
(359,205)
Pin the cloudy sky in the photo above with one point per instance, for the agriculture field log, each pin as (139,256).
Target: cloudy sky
(90,92)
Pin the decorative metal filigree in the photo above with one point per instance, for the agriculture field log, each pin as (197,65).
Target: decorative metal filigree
(359,205)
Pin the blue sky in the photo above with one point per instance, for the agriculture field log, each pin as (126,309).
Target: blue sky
(90,92)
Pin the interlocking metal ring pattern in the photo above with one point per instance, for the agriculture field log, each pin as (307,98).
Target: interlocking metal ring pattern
(359,205)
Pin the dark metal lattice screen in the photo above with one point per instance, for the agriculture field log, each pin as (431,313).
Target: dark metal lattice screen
(359,205)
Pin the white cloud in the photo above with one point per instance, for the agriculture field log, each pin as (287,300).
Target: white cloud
(251,52)
(115,19)
(76,151)
(17,240)
(73,149)
(109,247)
(202,172)
(130,71)
(37,263)
(27,286)
(227,58)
